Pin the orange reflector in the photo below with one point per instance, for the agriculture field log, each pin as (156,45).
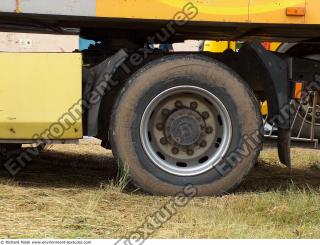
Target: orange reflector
(296,11)
(297,90)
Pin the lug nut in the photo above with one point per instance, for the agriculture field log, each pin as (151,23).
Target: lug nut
(165,112)
(178,104)
(160,126)
(163,141)
(209,130)
(203,144)
(205,115)
(190,152)
(175,150)
(194,105)
(178,140)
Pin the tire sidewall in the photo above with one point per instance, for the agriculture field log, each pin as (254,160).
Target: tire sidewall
(161,86)
(167,73)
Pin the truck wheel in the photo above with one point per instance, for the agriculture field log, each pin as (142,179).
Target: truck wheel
(184,120)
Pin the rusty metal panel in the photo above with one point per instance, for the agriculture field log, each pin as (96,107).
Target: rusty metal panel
(50,7)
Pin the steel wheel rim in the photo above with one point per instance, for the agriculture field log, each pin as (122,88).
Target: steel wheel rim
(186,123)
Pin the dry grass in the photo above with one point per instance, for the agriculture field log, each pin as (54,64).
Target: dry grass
(70,192)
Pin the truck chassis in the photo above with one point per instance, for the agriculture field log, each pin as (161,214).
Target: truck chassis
(175,119)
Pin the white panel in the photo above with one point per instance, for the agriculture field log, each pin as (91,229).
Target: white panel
(51,7)
(7,5)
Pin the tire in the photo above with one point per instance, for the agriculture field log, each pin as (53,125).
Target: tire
(180,74)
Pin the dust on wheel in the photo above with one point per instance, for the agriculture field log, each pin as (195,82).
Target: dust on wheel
(178,120)
(185,130)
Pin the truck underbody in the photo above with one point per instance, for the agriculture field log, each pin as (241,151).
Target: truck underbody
(178,118)
(119,28)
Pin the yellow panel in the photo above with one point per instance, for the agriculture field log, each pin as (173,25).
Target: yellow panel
(255,11)
(219,46)
(264,108)
(208,10)
(274,46)
(274,11)
(36,90)
(312,12)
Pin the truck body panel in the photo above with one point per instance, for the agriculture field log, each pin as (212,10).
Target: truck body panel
(49,83)
(258,11)
(276,20)
(57,7)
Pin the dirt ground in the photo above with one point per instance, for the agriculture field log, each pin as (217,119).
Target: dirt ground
(70,192)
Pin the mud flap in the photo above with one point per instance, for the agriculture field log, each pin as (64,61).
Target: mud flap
(97,79)
(284,146)
(265,71)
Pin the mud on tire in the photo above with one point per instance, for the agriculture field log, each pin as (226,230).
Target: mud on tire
(207,102)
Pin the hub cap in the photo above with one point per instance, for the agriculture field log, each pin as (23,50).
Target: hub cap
(185,130)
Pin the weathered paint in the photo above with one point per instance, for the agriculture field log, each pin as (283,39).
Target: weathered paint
(32,42)
(255,11)
(36,89)
(50,7)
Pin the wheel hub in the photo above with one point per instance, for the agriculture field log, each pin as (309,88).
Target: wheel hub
(184,128)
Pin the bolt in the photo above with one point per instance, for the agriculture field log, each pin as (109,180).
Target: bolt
(203,144)
(194,105)
(209,130)
(205,115)
(163,141)
(190,152)
(178,140)
(160,126)
(165,112)
(175,150)
(178,104)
